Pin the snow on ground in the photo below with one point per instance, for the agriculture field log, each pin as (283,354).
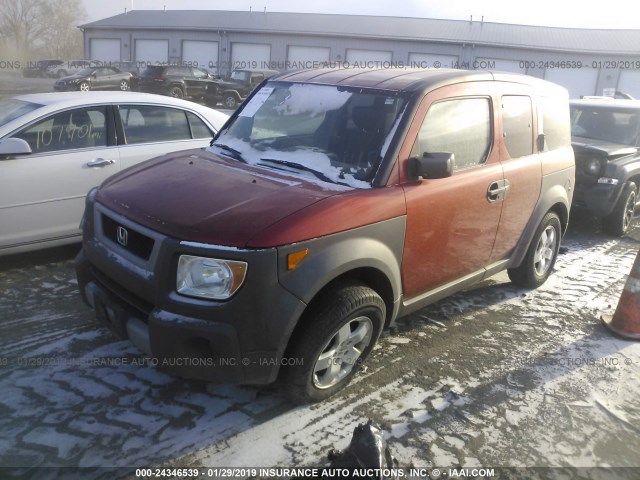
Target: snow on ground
(494,376)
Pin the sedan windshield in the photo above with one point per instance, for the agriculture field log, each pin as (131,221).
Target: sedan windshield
(606,124)
(10,109)
(325,132)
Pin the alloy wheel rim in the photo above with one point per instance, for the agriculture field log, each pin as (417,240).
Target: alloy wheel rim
(629,210)
(545,251)
(340,354)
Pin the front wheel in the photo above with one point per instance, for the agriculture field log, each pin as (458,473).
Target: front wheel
(340,331)
(617,223)
(85,87)
(541,256)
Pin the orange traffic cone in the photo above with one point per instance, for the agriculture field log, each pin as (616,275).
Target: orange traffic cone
(626,319)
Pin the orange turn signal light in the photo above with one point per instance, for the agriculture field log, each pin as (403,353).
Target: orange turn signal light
(293,259)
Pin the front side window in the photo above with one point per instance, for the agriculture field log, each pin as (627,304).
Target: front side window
(69,130)
(336,134)
(146,124)
(460,126)
(517,118)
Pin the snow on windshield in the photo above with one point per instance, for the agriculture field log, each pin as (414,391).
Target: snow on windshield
(308,157)
(312,100)
(332,134)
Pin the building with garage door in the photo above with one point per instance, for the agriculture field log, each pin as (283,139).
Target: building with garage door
(585,61)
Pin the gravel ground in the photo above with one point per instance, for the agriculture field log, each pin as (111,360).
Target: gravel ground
(492,377)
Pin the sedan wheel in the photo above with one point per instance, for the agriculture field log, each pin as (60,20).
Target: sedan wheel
(124,85)
(85,87)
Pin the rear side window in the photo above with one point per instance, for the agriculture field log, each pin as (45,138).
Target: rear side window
(198,127)
(555,123)
(145,124)
(517,124)
(459,126)
(69,130)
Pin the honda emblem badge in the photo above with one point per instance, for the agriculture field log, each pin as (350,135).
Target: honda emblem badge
(122,236)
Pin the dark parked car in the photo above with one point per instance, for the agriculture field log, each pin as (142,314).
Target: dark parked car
(232,91)
(175,81)
(39,68)
(606,141)
(331,203)
(95,78)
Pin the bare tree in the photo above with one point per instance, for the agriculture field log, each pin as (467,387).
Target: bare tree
(62,38)
(30,28)
(22,24)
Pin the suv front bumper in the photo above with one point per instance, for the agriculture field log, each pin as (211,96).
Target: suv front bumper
(240,340)
(599,198)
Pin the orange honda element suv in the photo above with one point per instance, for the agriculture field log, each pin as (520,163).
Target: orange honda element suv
(331,203)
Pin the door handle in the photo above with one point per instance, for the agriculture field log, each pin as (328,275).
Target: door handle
(497,190)
(100,162)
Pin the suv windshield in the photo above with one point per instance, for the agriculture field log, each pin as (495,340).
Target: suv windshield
(621,126)
(334,133)
(11,109)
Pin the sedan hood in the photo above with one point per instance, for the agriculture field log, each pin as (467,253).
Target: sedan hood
(72,78)
(198,196)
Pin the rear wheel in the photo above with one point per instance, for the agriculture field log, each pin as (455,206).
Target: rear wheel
(340,331)
(617,223)
(230,101)
(124,85)
(541,256)
(176,92)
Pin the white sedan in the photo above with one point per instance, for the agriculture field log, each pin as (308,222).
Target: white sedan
(55,147)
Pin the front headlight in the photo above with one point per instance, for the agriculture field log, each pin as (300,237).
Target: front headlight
(592,167)
(209,278)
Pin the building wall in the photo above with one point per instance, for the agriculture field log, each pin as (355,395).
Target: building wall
(557,66)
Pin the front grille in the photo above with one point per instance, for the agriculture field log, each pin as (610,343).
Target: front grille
(132,302)
(135,242)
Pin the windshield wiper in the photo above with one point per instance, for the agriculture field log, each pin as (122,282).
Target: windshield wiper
(234,153)
(299,166)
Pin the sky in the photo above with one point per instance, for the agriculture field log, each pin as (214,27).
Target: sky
(579,14)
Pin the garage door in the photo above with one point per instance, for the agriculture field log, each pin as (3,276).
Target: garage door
(152,51)
(200,54)
(305,57)
(105,49)
(498,65)
(250,55)
(629,82)
(578,82)
(367,58)
(429,60)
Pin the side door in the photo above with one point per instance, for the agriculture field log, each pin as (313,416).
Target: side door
(452,222)
(200,82)
(148,131)
(522,168)
(42,194)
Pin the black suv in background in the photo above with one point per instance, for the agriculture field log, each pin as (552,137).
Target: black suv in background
(605,135)
(175,81)
(236,88)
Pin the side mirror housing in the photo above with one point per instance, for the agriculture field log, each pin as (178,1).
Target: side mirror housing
(10,147)
(431,165)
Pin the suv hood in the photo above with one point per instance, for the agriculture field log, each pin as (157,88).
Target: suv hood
(198,196)
(603,148)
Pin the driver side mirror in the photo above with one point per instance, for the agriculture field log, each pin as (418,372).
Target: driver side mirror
(431,165)
(10,147)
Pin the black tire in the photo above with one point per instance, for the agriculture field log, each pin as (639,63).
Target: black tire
(329,327)
(541,256)
(230,101)
(124,85)
(84,87)
(617,222)
(176,92)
